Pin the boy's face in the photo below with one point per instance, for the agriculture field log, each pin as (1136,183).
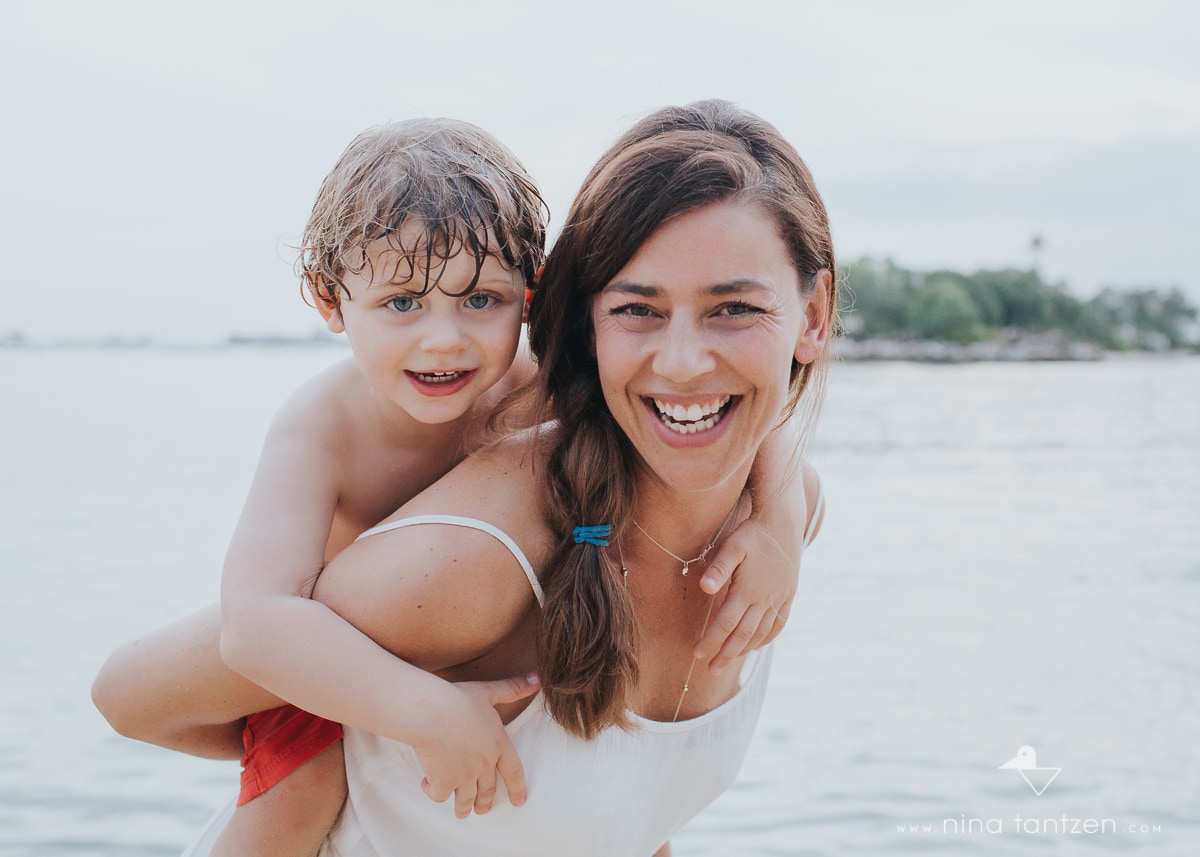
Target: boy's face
(431,355)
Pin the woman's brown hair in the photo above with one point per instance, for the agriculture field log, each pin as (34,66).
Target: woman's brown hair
(676,160)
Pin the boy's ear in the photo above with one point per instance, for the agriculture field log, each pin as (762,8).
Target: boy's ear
(329,309)
(537,277)
(815,332)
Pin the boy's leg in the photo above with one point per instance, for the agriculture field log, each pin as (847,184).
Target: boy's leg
(292,818)
(170,687)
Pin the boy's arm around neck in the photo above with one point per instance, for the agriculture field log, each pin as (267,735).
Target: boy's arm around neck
(760,561)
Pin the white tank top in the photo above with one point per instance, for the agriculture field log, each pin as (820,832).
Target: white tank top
(622,794)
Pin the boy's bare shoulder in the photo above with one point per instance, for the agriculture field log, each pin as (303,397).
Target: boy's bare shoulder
(319,410)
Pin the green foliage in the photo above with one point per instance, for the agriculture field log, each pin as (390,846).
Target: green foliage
(1024,299)
(943,309)
(1146,319)
(881,299)
(884,289)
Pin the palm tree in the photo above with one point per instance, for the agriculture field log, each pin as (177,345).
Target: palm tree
(1036,244)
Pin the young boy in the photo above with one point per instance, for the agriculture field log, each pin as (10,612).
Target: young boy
(420,248)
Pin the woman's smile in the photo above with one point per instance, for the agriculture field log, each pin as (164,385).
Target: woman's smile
(693,418)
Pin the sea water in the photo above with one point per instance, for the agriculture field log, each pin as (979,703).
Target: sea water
(1011,557)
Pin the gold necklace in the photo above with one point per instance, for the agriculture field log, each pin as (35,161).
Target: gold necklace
(702,557)
(686,562)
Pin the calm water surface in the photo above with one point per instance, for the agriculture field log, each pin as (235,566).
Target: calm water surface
(1011,557)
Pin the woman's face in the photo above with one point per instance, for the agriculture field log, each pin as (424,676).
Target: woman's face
(695,338)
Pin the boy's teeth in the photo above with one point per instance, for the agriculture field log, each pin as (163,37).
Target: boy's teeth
(435,377)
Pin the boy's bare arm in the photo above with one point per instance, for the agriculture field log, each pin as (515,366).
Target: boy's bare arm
(272,633)
(172,687)
(762,556)
(302,651)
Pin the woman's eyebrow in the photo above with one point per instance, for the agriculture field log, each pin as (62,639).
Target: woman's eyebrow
(630,288)
(731,287)
(739,286)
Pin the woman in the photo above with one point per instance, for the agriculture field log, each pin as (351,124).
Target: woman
(685,309)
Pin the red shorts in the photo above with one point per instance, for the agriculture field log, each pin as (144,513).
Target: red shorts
(279,741)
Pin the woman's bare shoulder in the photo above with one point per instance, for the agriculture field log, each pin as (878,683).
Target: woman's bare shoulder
(490,475)
(438,594)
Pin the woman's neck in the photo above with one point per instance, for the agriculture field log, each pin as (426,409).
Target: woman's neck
(686,522)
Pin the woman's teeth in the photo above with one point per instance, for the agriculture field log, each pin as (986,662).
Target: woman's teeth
(438,377)
(689,419)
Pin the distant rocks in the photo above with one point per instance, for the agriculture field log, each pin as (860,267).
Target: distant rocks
(1011,346)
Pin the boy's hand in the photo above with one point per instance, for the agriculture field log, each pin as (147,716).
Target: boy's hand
(764,577)
(468,746)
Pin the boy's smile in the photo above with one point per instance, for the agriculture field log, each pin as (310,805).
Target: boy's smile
(441,383)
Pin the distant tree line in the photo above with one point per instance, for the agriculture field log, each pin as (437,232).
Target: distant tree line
(884,300)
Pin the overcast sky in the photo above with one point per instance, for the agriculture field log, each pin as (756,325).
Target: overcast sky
(159,160)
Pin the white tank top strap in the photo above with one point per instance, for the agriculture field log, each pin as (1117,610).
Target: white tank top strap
(472,524)
(818,508)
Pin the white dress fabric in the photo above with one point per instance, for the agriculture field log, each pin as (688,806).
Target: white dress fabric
(622,794)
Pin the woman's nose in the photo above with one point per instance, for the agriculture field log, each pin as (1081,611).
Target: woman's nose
(684,352)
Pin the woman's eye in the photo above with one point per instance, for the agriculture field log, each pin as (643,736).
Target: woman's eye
(738,310)
(403,303)
(480,300)
(633,311)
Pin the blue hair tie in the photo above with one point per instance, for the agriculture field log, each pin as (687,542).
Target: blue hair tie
(597,535)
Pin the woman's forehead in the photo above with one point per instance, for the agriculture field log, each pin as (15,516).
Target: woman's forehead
(723,248)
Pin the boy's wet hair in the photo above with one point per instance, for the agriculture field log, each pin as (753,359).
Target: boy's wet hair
(431,188)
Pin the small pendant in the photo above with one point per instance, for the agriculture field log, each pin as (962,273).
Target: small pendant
(685,568)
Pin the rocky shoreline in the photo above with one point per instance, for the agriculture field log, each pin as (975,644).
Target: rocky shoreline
(1012,347)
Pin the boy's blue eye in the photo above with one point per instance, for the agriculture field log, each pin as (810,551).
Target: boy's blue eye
(479,300)
(403,303)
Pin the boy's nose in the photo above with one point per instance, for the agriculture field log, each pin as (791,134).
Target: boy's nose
(443,334)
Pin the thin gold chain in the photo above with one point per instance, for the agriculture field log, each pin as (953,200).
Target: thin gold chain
(703,556)
(688,679)
(711,599)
